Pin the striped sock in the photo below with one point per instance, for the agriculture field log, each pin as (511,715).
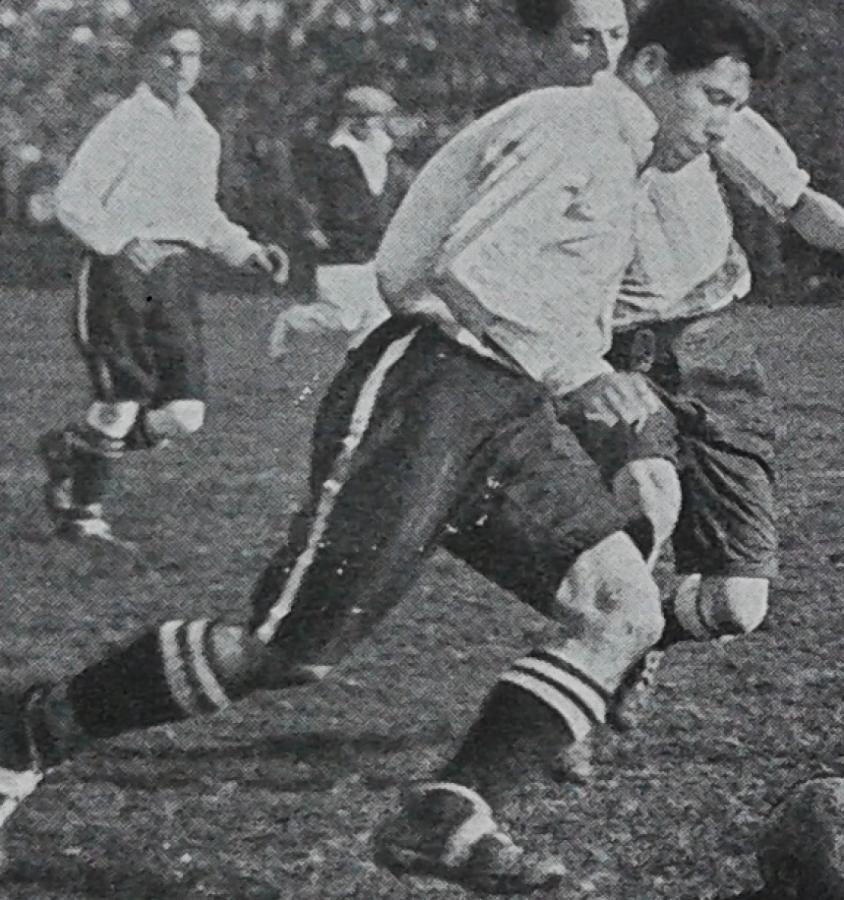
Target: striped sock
(578,700)
(141,436)
(686,615)
(540,704)
(165,675)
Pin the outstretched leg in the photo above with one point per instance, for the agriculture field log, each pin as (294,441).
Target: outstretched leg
(401,439)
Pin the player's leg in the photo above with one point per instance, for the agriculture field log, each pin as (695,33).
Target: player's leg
(726,540)
(538,514)
(387,475)
(640,464)
(79,457)
(725,546)
(606,602)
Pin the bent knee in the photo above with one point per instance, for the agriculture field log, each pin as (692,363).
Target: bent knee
(610,595)
(177,418)
(739,605)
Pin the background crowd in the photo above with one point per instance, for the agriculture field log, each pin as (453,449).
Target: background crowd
(274,71)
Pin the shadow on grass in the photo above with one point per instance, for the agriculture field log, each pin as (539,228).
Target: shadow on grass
(63,877)
(309,761)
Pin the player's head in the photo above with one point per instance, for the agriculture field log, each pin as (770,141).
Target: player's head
(367,113)
(168,44)
(693,62)
(577,37)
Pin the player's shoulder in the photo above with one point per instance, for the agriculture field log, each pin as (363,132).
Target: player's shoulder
(125,110)
(198,118)
(564,111)
(541,103)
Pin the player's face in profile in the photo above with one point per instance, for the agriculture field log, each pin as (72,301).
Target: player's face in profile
(175,65)
(695,109)
(589,39)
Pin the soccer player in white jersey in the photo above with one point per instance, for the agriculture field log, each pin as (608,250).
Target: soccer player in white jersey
(502,268)
(675,321)
(140,195)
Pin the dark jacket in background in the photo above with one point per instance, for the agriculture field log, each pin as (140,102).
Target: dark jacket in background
(352,218)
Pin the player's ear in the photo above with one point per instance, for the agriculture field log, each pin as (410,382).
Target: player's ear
(648,66)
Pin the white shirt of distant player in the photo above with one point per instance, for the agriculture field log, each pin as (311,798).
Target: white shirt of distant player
(149,171)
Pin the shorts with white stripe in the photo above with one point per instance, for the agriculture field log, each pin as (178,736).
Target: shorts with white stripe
(407,437)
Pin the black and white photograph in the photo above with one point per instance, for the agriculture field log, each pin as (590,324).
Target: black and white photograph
(422,430)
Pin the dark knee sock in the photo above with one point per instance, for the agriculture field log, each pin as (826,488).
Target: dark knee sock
(538,707)
(93,456)
(140,436)
(165,675)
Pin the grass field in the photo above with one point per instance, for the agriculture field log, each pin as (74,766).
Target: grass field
(276,800)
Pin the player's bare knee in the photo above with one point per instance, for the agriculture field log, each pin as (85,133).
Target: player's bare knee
(609,604)
(178,418)
(114,420)
(740,604)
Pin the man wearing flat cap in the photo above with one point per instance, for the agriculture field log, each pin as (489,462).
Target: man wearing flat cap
(355,186)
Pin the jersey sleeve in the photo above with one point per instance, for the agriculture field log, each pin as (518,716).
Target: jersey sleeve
(224,238)
(760,162)
(96,168)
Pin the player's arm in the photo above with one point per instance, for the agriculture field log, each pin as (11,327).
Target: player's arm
(819,219)
(97,166)
(227,240)
(759,161)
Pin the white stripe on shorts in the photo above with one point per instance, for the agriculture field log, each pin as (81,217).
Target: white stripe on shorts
(83,300)
(340,471)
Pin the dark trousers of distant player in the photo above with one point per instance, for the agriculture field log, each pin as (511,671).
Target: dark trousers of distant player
(419,442)
(140,337)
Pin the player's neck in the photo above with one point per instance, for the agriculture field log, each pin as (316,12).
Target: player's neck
(172,99)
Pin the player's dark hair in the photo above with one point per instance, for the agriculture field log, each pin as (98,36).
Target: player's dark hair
(696,33)
(541,16)
(162,21)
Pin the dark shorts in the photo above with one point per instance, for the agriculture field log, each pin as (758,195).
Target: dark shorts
(612,448)
(433,463)
(708,374)
(141,335)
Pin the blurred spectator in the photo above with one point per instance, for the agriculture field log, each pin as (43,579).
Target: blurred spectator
(356,181)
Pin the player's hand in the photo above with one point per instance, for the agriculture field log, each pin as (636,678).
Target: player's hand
(614,397)
(317,239)
(144,255)
(272,260)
